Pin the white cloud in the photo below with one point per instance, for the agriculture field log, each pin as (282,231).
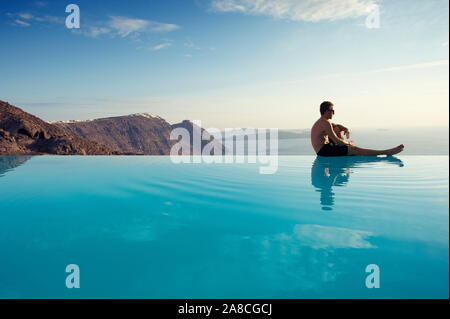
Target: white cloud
(26,16)
(228,6)
(96,31)
(21,23)
(40,4)
(162,27)
(191,45)
(395,68)
(30,18)
(116,25)
(125,26)
(412,66)
(160,46)
(52,19)
(297,10)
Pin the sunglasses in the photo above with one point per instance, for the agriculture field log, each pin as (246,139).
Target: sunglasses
(332,111)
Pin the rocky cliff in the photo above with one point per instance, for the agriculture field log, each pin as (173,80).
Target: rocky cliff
(145,134)
(137,133)
(22,133)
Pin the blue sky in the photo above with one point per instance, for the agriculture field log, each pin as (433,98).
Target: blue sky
(229,63)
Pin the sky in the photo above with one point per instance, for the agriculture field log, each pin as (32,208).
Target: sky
(230,63)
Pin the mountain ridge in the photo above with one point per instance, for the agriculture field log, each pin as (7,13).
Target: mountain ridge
(146,135)
(22,133)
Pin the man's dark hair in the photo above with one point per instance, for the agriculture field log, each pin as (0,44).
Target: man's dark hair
(325,106)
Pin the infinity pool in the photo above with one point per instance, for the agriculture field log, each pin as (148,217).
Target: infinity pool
(143,227)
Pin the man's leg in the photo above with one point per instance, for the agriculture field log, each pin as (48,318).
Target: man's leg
(354,150)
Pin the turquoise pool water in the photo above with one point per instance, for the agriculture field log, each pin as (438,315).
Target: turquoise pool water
(142,227)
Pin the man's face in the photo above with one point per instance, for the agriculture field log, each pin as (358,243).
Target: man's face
(330,112)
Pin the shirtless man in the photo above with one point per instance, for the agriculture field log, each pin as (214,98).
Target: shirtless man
(328,138)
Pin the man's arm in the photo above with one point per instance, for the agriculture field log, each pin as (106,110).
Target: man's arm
(329,130)
(341,128)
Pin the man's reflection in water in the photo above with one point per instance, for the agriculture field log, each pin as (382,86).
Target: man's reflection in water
(327,172)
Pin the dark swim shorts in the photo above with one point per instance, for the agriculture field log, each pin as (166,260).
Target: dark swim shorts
(333,150)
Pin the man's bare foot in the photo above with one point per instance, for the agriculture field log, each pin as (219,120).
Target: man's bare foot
(395,150)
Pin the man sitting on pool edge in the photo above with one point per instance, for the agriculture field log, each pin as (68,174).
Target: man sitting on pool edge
(328,138)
